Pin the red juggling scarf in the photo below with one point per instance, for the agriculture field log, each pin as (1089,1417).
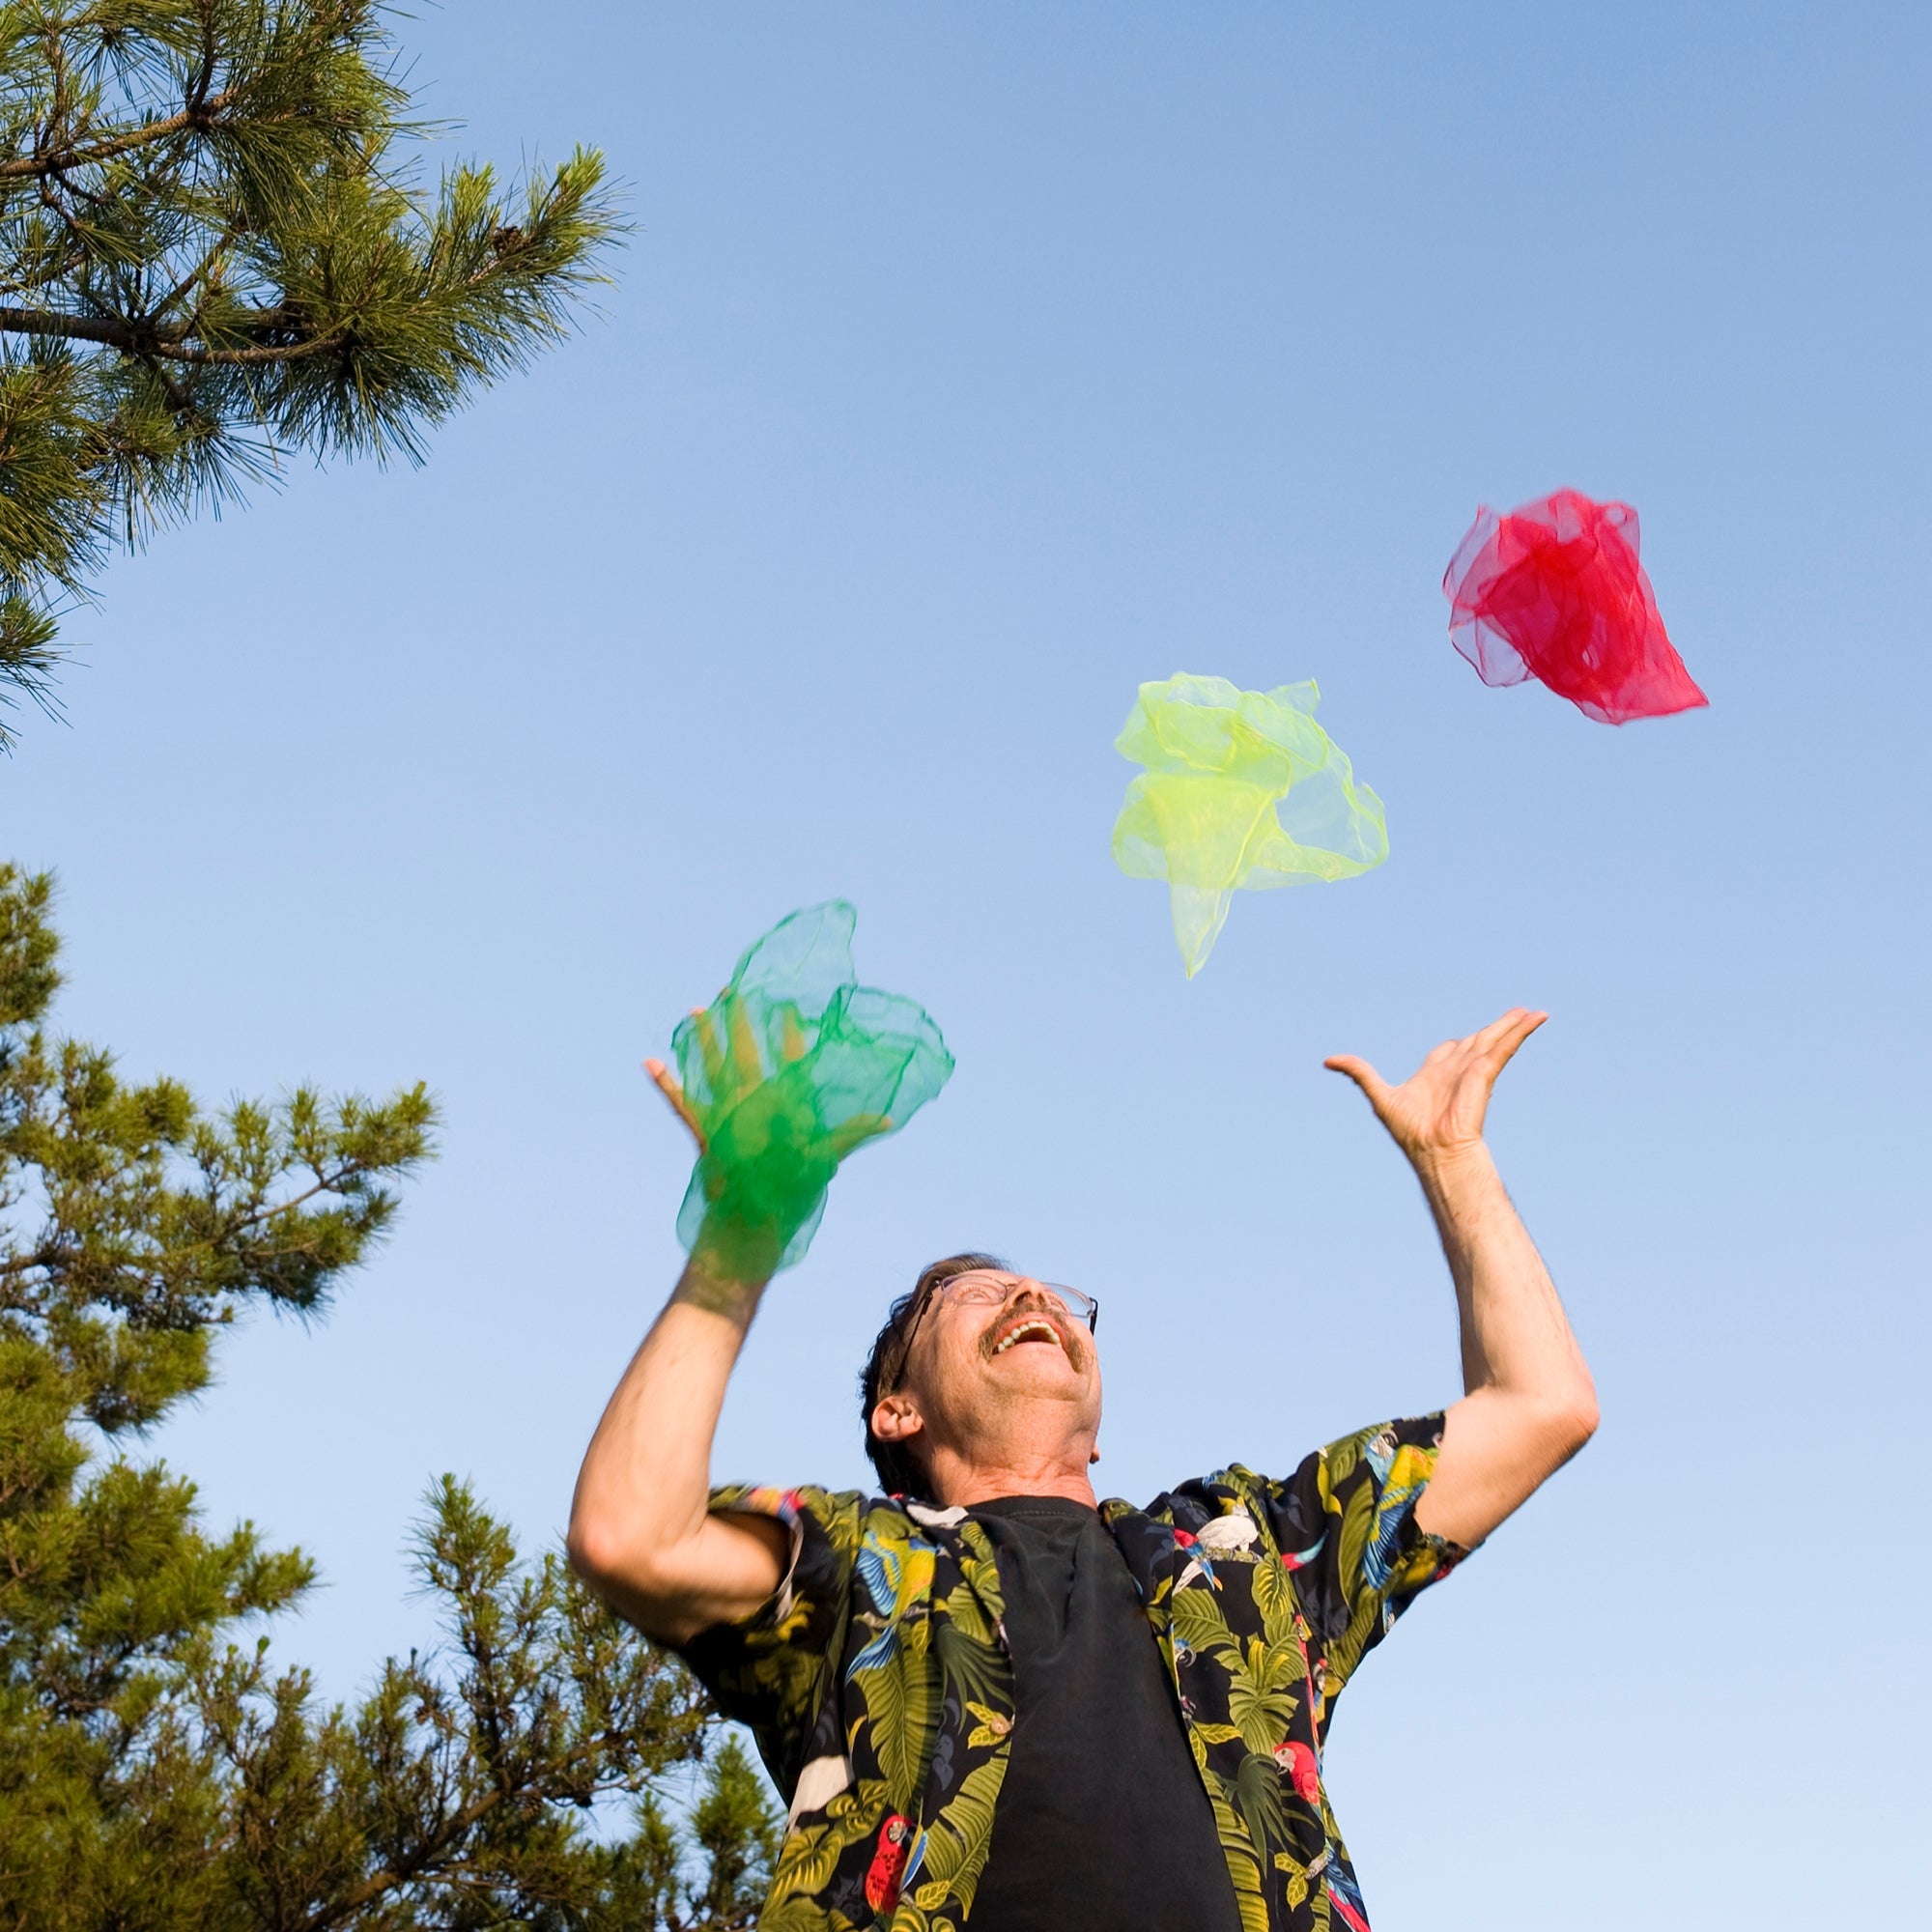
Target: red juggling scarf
(1554,591)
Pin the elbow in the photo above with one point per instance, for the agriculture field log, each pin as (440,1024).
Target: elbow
(1575,1419)
(589,1547)
(601,1553)
(642,1580)
(1549,1425)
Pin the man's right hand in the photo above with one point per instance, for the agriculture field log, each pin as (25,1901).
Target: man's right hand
(642,1532)
(765,1153)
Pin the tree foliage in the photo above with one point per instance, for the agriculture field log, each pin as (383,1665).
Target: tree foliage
(159,1770)
(215,253)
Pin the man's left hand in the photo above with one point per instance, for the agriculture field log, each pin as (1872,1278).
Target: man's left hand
(1438,1112)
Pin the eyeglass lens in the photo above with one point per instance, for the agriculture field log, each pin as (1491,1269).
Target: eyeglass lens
(981,1288)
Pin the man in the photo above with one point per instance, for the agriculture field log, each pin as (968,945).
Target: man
(990,1698)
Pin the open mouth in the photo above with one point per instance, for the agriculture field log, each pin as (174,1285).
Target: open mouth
(1028,1328)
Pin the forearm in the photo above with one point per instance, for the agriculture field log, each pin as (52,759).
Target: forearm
(1528,1405)
(1514,1335)
(641,1531)
(1530,1402)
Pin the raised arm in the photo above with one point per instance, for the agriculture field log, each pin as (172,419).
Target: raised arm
(642,1533)
(1529,1403)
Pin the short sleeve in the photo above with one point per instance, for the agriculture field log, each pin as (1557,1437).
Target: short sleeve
(771,1670)
(1345,1525)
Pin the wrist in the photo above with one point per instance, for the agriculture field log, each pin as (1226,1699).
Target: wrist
(732,1292)
(1444,1168)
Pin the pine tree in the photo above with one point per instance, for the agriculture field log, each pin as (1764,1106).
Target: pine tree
(736,1829)
(155,1773)
(215,253)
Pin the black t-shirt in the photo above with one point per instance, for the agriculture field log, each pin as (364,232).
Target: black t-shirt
(1102,1823)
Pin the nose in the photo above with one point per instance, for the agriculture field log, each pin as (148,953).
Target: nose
(1026,1289)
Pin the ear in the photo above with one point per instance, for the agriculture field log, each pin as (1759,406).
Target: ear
(895,1418)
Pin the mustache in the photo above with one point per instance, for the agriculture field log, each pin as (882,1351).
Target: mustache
(1072,1343)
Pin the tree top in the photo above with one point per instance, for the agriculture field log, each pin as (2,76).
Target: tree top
(217,251)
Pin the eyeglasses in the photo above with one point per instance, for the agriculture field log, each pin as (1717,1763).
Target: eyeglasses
(984,1288)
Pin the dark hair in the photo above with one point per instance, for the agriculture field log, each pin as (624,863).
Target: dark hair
(899,1474)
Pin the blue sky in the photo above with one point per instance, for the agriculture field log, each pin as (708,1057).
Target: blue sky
(968,366)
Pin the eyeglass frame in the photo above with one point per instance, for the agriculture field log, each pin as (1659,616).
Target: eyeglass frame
(939,1287)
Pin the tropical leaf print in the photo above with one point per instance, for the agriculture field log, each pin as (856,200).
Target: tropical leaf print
(1200,1623)
(989,1728)
(812,1853)
(1358,1522)
(971,1667)
(1257,1798)
(886,1644)
(957,1844)
(1260,1701)
(1273,1591)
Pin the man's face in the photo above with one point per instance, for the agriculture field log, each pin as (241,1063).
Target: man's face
(990,1348)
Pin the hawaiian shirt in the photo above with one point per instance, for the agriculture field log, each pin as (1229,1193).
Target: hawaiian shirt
(878,1687)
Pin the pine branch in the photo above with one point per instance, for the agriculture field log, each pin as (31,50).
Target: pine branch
(405,1872)
(217,257)
(199,118)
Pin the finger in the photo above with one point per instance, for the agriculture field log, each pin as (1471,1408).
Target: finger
(1488,1035)
(792,1044)
(857,1132)
(666,1083)
(707,1044)
(1526,1024)
(1362,1074)
(746,1062)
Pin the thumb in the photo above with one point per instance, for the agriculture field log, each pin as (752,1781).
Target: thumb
(1365,1076)
(857,1132)
(666,1084)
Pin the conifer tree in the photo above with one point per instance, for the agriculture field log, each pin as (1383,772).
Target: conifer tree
(159,1770)
(215,254)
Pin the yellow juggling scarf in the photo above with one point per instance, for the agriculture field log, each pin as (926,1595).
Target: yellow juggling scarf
(1242,790)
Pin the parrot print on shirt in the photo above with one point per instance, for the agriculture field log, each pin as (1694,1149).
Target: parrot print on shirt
(889,1862)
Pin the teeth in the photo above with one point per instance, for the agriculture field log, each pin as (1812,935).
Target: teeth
(1023,1330)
